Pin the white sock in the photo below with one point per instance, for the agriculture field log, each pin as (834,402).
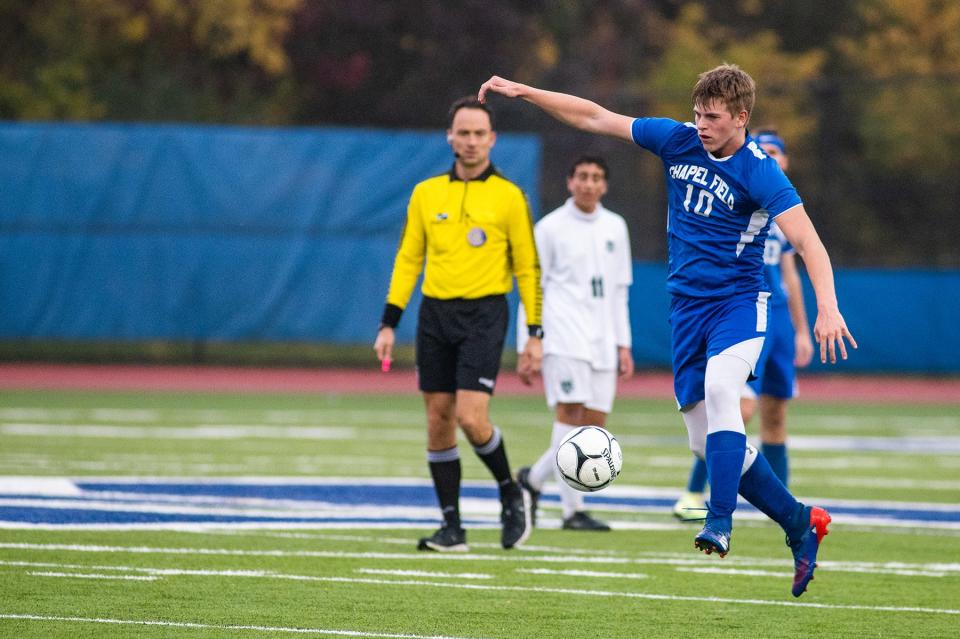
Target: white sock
(541,471)
(571,499)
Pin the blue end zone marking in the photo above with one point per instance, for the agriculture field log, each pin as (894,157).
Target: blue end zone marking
(145,495)
(347,494)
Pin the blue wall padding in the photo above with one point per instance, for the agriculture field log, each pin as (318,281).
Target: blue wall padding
(141,232)
(136,232)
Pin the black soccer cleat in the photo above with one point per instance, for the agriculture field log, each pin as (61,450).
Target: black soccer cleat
(523,478)
(445,539)
(515,516)
(581,520)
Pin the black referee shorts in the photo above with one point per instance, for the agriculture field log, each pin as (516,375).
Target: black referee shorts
(460,342)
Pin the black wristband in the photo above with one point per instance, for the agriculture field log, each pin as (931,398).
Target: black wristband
(391,316)
(535,330)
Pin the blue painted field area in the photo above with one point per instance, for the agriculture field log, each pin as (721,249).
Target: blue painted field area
(281,503)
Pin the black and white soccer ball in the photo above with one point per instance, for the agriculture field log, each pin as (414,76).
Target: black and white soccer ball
(589,458)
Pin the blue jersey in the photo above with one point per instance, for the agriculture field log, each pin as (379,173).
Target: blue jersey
(719,210)
(776,246)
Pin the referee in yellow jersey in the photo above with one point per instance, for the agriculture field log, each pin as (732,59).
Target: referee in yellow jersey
(472,229)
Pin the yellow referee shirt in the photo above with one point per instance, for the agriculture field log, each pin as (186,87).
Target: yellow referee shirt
(474,236)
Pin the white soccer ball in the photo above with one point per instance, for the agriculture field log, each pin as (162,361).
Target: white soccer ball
(589,458)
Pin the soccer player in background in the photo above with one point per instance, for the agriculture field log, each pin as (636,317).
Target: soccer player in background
(786,347)
(723,191)
(469,230)
(584,253)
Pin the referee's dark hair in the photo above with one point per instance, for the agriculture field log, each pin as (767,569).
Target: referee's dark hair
(470,102)
(590,159)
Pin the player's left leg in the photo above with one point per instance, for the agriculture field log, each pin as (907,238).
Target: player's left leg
(487,440)
(480,334)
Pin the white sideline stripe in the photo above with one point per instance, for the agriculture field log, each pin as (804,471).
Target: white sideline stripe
(668,559)
(201,431)
(237,509)
(206,626)
(584,573)
(901,572)
(52,486)
(424,573)
(77,575)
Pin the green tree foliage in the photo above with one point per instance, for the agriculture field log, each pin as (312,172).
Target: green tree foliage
(904,65)
(205,60)
(695,45)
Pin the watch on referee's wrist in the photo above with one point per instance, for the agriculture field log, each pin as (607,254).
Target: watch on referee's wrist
(535,330)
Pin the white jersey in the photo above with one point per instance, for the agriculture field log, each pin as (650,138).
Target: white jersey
(586,272)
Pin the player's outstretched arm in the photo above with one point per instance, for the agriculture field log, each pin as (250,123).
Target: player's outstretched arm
(569,109)
(830,329)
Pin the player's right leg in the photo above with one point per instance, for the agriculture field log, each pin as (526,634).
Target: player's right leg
(773,435)
(436,362)
(443,458)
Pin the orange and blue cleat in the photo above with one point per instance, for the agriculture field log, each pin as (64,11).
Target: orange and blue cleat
(805,548)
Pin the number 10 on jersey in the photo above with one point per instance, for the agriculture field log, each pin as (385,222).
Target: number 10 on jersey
(704,201)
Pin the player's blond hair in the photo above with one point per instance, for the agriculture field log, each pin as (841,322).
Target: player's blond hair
(728,84)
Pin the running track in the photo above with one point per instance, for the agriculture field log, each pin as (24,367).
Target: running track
(656,385)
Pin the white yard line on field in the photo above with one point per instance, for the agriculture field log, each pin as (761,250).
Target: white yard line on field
(569,591)
(424,573)
(206,626)
(882,482)
(79,575)
(741,572)
(578,592)
(935,569)
(584,573)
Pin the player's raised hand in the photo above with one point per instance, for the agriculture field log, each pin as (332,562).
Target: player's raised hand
(830,330)
(500,85)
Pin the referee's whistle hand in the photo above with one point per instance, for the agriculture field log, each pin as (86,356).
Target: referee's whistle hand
(383,346)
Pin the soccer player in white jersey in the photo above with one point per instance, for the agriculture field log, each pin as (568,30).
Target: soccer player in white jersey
(586,271)
(786,347)
(723,191)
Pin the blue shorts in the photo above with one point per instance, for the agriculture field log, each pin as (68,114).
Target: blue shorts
(776,374)
(701,328)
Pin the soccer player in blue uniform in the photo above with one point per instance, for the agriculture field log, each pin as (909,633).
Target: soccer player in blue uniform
(787,345)
(723,192)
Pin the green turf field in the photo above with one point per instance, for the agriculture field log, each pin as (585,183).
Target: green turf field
(641,580)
